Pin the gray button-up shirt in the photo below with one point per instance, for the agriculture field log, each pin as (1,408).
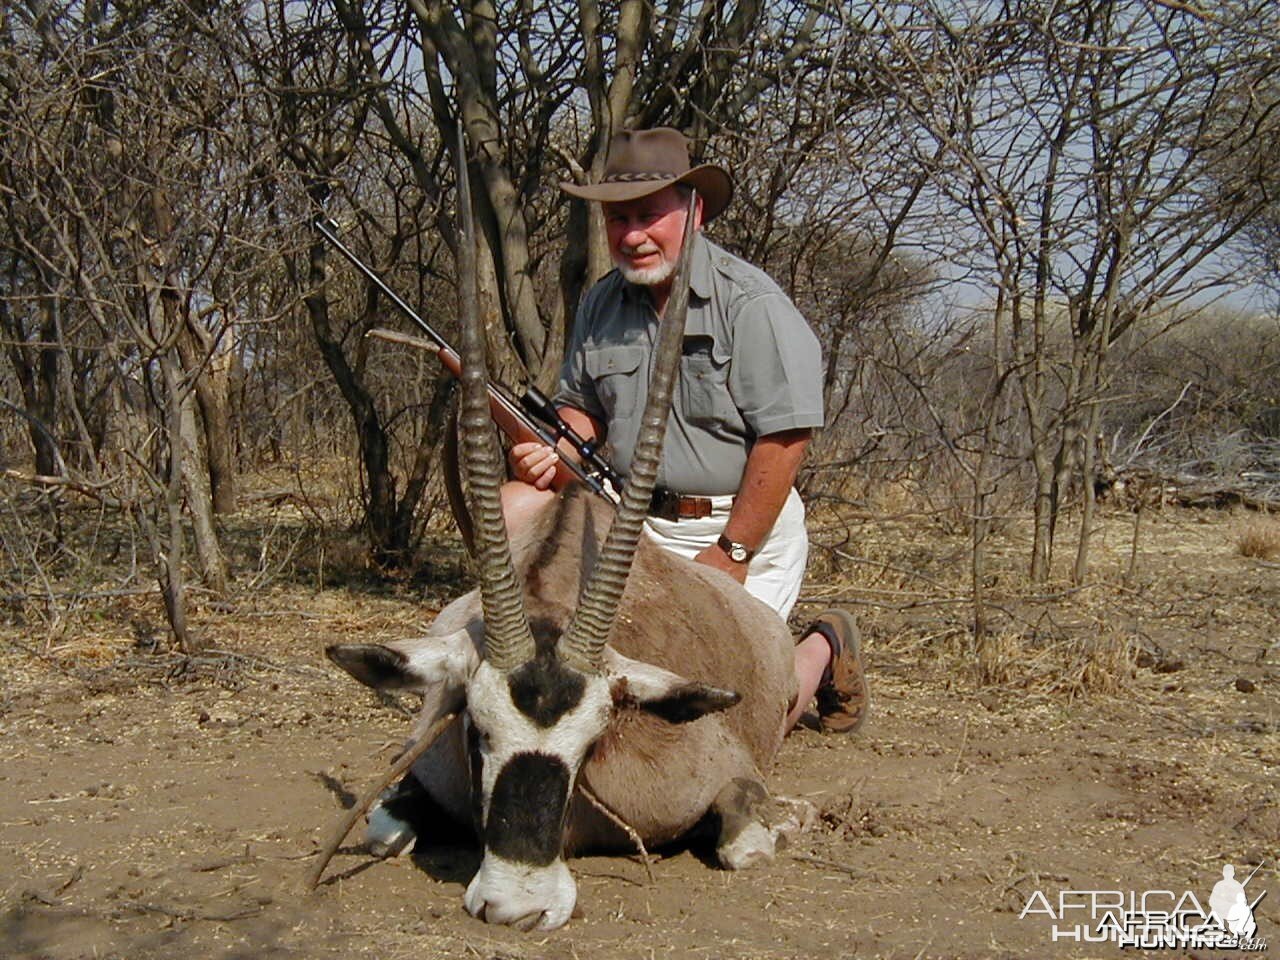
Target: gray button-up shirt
(751,367)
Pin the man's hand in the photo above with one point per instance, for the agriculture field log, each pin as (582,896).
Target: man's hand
(533,463)
(713,556)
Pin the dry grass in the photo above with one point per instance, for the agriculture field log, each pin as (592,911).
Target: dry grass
(1072,668)
(1001,659)
(1259,538)
(878,549)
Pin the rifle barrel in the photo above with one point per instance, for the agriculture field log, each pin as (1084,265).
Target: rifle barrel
(322,226)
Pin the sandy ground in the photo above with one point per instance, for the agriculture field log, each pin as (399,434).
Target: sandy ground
(156,807)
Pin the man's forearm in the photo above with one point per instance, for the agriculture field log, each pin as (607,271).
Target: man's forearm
(766,483)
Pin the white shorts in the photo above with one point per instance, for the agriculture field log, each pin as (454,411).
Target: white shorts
(777,569)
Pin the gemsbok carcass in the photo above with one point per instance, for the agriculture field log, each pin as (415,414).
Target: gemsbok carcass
(587,664)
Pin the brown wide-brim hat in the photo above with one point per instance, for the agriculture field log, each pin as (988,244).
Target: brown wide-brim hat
(642,162)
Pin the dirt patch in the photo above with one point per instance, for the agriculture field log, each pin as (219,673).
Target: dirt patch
(160,806)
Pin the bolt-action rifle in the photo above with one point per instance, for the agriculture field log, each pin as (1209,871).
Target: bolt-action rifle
(532,417)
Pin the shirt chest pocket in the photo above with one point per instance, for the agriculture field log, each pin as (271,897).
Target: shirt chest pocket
(704,383)
(615,371)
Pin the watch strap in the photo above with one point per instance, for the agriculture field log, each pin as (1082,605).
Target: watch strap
(737,552)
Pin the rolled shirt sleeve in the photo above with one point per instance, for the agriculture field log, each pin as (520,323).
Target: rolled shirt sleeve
(775,376)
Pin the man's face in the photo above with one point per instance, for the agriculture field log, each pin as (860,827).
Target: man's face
(645,235)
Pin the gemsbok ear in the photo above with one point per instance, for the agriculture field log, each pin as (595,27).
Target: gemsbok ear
(372,664)
(661,692)
(418,664)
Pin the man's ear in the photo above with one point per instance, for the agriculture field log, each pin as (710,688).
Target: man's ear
(418,664)
(661,692)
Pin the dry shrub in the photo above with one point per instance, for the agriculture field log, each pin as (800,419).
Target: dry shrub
(1074,668)
(91,650)
(1260,539)
(1001,659)
(1102,665)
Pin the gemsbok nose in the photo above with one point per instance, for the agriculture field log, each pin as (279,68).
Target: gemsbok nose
(522,896)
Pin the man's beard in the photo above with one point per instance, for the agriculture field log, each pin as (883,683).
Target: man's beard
(645,276)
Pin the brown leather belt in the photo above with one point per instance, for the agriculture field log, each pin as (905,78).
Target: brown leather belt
(669,505)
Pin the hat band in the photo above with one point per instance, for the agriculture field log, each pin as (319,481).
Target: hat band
(639,177)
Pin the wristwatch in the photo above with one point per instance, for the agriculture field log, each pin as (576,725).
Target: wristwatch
(737,552)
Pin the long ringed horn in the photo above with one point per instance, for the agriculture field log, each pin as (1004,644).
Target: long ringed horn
(508,640)
(584,642)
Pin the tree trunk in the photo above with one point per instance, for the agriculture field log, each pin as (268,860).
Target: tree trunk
(386,543)
(1101,333)
(1029,363)
(1097,373)
(432,452)
(195,472)
(213,394)
(36,367)
(1041,536)
(169,556)
(46,399)
(1086,439)
(1070,433)
(982,489)
(1089,499)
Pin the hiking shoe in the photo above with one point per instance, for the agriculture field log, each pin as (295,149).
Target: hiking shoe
(843,696)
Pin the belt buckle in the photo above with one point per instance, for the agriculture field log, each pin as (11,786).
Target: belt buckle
(665,504)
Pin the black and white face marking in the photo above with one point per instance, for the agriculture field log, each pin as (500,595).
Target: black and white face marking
(532,729)
(526,811)
(544,690)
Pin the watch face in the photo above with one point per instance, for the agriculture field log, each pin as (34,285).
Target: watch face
(734,551)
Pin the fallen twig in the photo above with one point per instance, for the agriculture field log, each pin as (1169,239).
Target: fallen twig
(182,913)
(77,594)
(842,867)
(402,764)
(75,875)
(626,828)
